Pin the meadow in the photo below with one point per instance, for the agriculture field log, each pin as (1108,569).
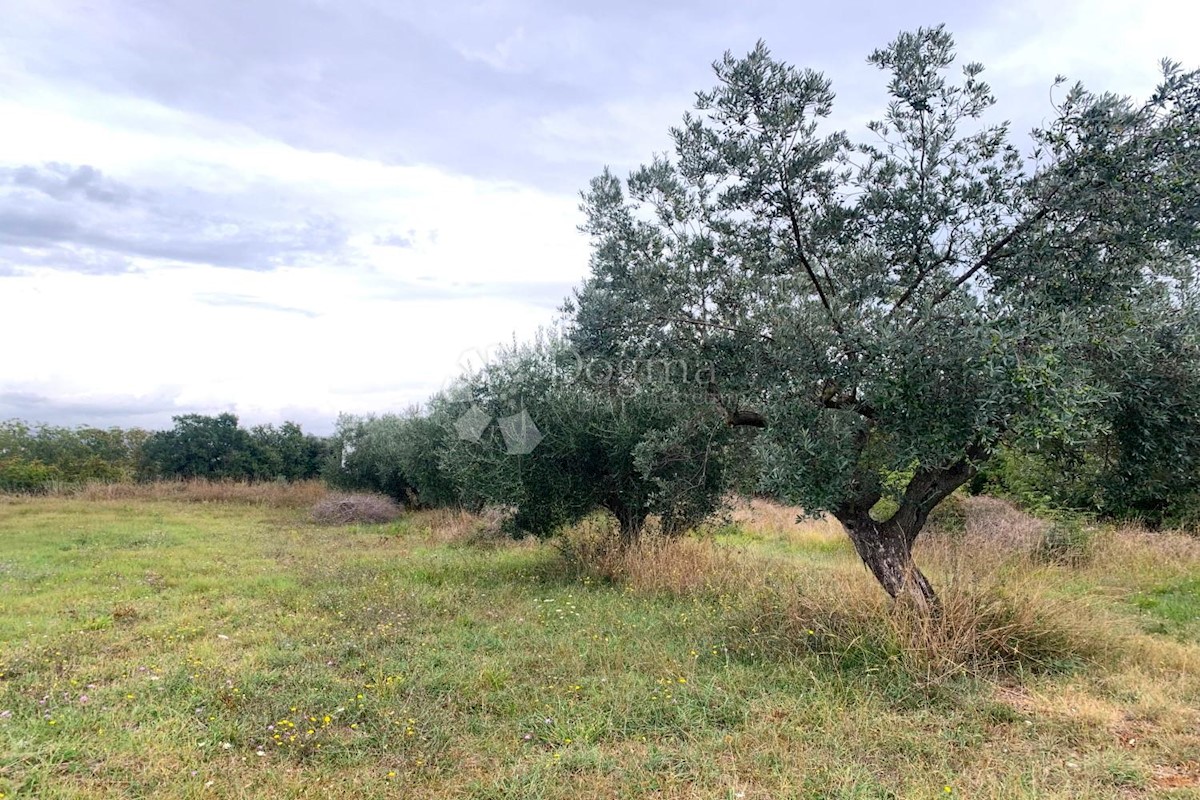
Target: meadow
(199,641)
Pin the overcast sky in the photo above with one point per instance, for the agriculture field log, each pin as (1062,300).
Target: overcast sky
(291,209)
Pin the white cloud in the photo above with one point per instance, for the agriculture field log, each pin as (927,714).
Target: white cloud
(1109,44)
(394,317)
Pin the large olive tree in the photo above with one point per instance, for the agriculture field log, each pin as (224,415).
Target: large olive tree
(902,304)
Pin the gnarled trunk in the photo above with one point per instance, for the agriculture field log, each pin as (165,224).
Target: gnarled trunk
(886,546)
(886,549)
(630,520)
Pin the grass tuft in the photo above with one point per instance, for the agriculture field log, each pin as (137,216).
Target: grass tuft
(356,509)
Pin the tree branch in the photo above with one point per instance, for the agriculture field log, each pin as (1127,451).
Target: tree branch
(929,487)
(737,417)
(994,252)
(703,324)
(799,239)
(924,273)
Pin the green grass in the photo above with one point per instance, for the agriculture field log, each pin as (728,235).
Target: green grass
(153,648)
(1173,608)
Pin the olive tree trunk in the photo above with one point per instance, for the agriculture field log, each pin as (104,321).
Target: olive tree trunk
(886,549)
(885,546)
(629,520)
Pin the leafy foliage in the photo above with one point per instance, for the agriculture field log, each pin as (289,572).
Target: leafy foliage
(396,455)
(32,457)
(216,448)
(603,441)
(1145,463)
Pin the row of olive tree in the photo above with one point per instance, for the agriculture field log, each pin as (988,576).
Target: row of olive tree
(36,457)
(394,454)
(33,457)
(535,432)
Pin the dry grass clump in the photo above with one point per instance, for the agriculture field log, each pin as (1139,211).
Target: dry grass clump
(491,527)
(447,525)
(771,520)
(352,509)
(989,629)
(978,630)
(681,566)
(272,494)
(655,563)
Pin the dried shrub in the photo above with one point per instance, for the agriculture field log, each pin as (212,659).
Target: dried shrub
(356,509)
(1001,523)
(493,525)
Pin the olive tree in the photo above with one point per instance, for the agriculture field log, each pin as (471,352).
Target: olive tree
(395,454)
(556,439)
(904,303)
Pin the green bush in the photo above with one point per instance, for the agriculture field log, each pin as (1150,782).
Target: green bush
(27,477)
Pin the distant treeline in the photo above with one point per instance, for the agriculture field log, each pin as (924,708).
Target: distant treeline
(37,457)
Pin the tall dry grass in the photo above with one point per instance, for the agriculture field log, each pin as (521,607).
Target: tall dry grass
(655,563)
(1000,609)
(298,494)
(782,522)
(491,527)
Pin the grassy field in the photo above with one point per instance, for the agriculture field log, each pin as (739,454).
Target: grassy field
(156,646)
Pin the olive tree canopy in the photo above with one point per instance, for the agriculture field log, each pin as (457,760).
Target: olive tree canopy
(902,303)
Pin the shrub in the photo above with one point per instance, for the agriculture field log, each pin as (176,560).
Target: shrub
(356,509)
(27,477)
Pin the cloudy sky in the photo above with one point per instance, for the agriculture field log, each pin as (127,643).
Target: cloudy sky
(291,209)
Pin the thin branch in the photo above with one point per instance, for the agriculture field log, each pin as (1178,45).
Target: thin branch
(703,324)
(995,251)
(799,239)
(924,273)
